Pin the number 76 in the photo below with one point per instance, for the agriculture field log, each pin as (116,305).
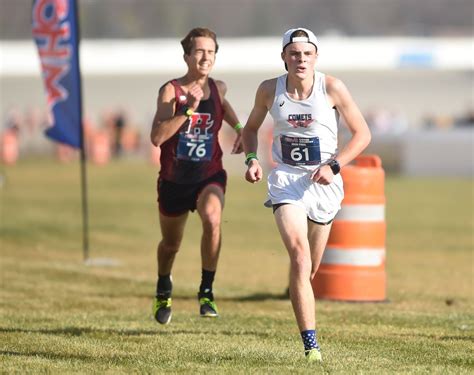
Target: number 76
(199,148)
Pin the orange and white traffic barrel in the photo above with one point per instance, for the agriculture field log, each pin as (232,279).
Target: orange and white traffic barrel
(100,148)
(353,264)
(9,149)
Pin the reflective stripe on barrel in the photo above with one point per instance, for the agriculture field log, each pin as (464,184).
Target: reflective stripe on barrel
(362,212)
(354,257)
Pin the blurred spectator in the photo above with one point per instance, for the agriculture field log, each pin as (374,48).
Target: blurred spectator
(466,120)
(115,123)
(124,133)
(119,125)
(35,120)
(14,120)
(382,121)
(438,122)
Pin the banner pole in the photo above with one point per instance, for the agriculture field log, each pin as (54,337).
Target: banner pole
(83,158)
(56,31)
(85,214)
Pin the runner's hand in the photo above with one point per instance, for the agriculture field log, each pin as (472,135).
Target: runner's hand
(323,175)
(254,172)
(194,96)
(237,148)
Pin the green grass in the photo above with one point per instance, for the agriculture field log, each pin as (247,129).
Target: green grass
(58,315)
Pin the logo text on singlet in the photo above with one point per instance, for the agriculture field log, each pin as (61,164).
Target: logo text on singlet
(195,141)
(300,120)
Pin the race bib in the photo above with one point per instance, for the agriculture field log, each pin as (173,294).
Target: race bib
(300,151)
(194,149)
(195,143)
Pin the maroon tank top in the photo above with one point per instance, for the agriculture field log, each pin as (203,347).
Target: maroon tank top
(193,153)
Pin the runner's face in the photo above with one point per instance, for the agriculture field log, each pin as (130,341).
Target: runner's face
(202,56)
(300,59)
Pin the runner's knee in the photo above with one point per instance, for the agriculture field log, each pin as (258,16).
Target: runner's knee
(211,222)
(300,264)
(169,247)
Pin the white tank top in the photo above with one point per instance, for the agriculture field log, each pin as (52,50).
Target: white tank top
(305,131)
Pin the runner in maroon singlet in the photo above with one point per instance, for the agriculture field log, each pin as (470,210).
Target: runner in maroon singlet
(193,153)
(189,116)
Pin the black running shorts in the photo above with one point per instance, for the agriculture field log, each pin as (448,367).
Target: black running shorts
(177,199)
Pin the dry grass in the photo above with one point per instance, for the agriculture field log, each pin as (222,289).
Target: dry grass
(60,316)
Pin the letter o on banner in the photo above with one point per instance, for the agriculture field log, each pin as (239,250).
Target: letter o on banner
(353,264)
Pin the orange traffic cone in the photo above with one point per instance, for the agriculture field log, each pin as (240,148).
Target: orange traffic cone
(9,147)
(100,148)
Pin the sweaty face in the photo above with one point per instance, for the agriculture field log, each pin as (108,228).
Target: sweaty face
(300,58)
(202,56)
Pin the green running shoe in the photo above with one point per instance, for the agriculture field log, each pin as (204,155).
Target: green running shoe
(207,306)
(162,310)
(313,355)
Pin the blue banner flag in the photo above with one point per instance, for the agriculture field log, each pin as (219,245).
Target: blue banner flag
(56,33)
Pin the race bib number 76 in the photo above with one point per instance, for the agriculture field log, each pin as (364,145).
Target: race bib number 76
(195,143)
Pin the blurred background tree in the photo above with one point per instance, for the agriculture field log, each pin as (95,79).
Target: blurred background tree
(243,18)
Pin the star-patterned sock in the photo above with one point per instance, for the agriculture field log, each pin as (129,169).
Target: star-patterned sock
(309,339)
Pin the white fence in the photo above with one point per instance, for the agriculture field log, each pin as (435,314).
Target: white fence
(109,57)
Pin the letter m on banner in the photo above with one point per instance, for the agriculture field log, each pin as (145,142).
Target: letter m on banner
(56,33)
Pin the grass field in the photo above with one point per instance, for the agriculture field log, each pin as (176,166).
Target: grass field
(58,315)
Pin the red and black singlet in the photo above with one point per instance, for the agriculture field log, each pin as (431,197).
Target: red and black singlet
(193,153)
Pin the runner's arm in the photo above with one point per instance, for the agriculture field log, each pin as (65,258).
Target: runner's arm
(230,117)
(250,132)
(352,116)
(166,123)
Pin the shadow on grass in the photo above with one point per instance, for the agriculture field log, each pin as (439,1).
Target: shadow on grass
(80,331)
(256,297)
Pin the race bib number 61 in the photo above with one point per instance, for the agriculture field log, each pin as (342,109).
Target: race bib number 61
(300,151)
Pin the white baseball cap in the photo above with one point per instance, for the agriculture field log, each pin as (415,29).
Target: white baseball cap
(311,38)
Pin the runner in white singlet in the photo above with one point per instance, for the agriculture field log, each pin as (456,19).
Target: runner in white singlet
(305,188)
(304,137)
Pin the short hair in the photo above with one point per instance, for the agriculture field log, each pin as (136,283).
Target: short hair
(197,32)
